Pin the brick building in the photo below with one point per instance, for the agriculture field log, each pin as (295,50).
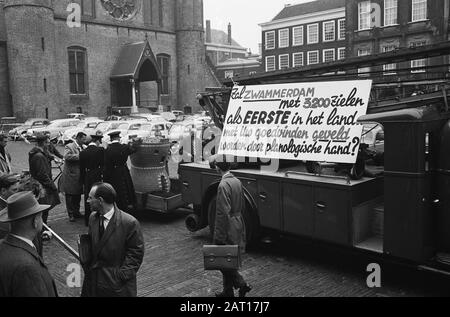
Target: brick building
(304,34)
(140,52)
(378,26)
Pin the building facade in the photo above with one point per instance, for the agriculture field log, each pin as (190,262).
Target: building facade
(304,34)
(379,26)
(133,55)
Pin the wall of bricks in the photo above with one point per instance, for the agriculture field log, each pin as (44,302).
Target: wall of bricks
(33,24)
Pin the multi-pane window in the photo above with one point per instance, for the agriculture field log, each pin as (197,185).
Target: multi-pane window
(419,10)
(297,35)
(389,68)
(283,38)
(87,7)
(329,31)
(229,74)
(270,40)
(313,33)
(77,70)
(363,71)
(283,61)
(364,15)
(164,66)
(341,53)
(390,12)
(297,59)
(270,63)
(341,29)
(328,55)
(417,64)
(313,57)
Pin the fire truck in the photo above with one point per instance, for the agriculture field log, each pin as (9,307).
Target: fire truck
(400,211)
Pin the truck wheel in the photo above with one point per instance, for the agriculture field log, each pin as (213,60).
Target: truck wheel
(249,224)
(313,167)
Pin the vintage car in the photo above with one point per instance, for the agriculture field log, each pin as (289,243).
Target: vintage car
(79,116)
(56,128)
(20,132)
(88,126)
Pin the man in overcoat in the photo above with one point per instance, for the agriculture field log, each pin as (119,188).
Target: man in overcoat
(92,161)
(5,157)
(41,171)
(117,247)
(72,186)
(117,173)
(22,271)
(229,224)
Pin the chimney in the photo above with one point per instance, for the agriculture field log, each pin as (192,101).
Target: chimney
(229,34)
(208,31)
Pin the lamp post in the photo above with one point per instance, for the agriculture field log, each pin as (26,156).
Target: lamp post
(134,108)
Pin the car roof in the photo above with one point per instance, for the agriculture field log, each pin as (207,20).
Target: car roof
(65,120)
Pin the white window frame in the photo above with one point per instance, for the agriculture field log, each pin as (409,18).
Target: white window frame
(363,69)
(267,47)
(389,69)
(308,57)
(423,15)
(309,26)
(387,12)
(274,66)
(293,59)
(340,49)
(418,62)
(283,41)
(364,16)
(326,51)
(324,39)
(229,74)
(294,29)
(340,30)
(279,61)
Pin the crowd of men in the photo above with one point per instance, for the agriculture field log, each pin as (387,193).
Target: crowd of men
(115,241)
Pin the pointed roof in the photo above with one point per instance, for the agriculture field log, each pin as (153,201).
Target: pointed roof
(132,57)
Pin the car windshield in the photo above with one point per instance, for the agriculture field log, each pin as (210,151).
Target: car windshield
(29,122)
(177,128)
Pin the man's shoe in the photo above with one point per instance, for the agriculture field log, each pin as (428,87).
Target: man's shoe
(225,294)
(72,219)
(244,290)
(78,215)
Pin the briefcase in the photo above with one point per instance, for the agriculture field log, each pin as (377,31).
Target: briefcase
(85,249)
(221,257)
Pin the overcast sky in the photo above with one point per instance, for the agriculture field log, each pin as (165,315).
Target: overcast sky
(244,16)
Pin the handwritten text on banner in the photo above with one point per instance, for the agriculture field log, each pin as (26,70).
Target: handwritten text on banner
(303,121)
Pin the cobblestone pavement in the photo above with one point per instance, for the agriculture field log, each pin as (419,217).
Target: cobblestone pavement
(173,264)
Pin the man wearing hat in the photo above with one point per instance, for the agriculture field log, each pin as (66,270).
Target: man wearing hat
(22,271)
(91,168)
(72,186)
(117,173)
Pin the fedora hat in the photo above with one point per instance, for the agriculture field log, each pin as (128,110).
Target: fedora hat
(21,205)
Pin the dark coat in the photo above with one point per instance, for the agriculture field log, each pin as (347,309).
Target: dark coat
(71,183)
(41,171)
(118,175)
(229,226)
(23,272)
(116,258)
(92,161)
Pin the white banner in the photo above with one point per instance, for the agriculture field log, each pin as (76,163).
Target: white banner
(302,121)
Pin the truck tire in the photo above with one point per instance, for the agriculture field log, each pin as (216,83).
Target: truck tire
(250,226)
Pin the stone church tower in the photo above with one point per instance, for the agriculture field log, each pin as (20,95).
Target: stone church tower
(191,52)
(30,35)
